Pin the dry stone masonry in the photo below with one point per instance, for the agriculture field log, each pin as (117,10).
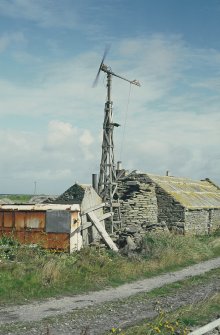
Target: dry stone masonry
(150,202)
(138,203)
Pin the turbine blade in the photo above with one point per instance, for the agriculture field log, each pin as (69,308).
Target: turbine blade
(96,78)
(107,48)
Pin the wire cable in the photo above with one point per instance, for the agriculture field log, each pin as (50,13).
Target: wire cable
(125,123)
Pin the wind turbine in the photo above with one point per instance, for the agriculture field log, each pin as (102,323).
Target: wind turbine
(107,185)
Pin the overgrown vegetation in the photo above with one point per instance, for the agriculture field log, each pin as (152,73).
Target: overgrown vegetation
(32,273)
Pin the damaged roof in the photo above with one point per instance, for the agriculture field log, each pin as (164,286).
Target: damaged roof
(73,195)
(190,193)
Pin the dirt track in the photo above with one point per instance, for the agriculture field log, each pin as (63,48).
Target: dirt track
(105,309)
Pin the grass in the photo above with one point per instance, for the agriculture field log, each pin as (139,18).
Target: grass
(178,322)
(32,273)
(183,284)
(200,314)
(184,318)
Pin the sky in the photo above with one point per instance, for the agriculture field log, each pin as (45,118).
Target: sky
(51,117)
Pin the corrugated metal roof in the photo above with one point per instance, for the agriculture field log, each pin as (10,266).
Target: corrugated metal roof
(190,193)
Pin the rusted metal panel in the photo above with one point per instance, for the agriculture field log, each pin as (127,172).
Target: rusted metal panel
(8,219)
(20,236)
(35,237)
(20,220)
(58,241)
(35,220)
(29,227)
(58,222)
(1,219)
(45,240)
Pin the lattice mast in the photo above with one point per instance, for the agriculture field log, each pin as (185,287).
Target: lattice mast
(107,177)
(107,185)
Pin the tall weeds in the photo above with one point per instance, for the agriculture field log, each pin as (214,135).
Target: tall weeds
(28,273)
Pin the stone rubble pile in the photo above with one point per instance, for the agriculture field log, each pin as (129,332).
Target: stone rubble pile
(139,212)
(138,200)
(74,195)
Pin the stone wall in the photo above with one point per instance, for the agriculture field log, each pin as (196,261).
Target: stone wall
(202,221)
(138,203)
(214,218)
(197,221)
(144,204)
(147,206)
(170,211)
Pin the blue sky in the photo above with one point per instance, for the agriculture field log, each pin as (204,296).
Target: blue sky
(51,117)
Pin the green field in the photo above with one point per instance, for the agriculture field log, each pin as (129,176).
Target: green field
(18,198)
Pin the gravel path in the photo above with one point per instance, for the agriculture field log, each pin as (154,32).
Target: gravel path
(104,309)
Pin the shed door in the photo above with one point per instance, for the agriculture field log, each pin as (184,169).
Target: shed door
(58,222)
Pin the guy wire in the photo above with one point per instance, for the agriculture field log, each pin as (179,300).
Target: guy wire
(125,122)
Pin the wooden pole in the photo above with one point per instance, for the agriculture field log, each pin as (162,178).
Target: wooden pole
(206,328)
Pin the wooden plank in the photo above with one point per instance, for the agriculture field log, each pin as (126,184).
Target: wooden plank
(86,225)
(206,328)
(105,216)
(76,241)
(102,231)
(114,205)
(91,209)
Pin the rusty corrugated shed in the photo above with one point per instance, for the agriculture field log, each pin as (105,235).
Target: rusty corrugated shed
(190,193)
(30,224)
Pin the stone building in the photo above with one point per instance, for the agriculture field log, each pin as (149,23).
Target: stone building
(180,204)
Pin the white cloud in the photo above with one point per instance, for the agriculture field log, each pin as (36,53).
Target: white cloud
(52,158)
(60,134)
(86,138)
(45,13)
(172,119)
(185,144)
